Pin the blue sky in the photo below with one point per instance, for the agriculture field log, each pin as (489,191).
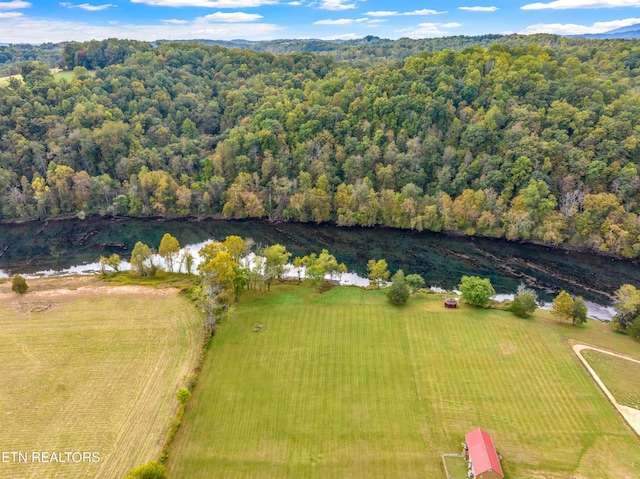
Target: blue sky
(36,21)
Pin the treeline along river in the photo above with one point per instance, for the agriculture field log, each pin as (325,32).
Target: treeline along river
(56,244)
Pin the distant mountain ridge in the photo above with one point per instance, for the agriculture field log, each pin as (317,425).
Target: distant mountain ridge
(632,31)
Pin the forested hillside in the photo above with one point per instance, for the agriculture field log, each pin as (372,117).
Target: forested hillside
(533,142)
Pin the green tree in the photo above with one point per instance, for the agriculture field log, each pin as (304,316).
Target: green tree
(188,262)
(19,284)
(523,305)
(342,269)
(169,249)
(579,315)
(634,329)
(398,293)
(183,395)
(151,470)
(114,261)
(240,281)
(378,271)
(328,262)
(219,270)
(476,291)
(315,273)
(236,246)
(525,302)
(141,261)
(627,306)
(276,257)
(103,265)
(298,263)
(415,282)
(562,306)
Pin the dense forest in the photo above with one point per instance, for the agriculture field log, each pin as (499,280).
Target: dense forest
(528,138)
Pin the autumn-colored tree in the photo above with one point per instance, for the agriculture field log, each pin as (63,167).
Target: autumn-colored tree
(220,270)
(236,247)
(141,260)
(169,249)
(562,306)
(378,272)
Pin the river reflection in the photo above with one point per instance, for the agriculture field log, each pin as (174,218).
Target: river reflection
(56,245)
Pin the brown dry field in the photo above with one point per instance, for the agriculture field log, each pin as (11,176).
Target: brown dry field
(90,367)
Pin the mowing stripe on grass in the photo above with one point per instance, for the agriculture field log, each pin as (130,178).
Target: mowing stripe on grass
(344,385)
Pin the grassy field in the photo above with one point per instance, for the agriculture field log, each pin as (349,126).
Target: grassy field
(621,377)
(68,75)
(57,74)
(4,81)
(345,385)
(87,367)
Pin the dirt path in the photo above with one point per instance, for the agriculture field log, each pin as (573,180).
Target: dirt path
(631,415)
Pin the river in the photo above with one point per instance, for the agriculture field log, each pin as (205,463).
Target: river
(36,246)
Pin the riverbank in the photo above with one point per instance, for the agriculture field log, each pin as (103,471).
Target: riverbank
(442,260)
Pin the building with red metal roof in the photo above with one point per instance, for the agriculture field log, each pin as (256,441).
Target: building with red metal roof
(481,455)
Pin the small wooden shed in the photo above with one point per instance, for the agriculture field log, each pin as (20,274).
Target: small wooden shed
(450,303)
(481,455)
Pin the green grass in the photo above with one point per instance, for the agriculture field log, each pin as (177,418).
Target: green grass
(86,366)
(345,385)
(57,74)
(161,279)
(68,75)
(621,377)
(456,467)
(4,81)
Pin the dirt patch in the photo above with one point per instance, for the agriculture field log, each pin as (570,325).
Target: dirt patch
(631,415)
(507,348)
(44,291)
(129,290)
(34,306)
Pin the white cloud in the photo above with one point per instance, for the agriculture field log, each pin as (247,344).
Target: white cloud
(173,21)
(13,5)
(423,30)
(10,14)
(385,13)
(573,29)
(479,9)
(567,4)
(88,7)
(341,21)
(40,30)
(207,3)
(344,36)
(234,17)
(336,5)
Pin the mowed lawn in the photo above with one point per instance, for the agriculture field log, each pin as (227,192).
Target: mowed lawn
(620,376)
(343,385)
(86,367)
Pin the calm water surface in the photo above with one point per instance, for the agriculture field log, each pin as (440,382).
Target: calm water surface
(58,244)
